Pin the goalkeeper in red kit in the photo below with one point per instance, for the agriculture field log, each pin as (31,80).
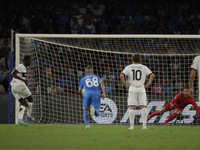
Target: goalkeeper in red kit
(177,104)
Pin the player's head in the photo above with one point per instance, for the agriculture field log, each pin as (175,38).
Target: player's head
(136,58)
(186,91)
(88,69)
(27,60)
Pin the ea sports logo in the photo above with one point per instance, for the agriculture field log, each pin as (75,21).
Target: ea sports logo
(107,112)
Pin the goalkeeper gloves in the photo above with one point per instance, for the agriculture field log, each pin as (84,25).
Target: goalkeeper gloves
(196,116)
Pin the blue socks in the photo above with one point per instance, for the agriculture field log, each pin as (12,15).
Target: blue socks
(85,117)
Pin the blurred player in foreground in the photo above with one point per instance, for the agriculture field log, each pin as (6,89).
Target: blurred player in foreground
(93,86)
(20,90)
(195,68)
(137,74)
(177,104)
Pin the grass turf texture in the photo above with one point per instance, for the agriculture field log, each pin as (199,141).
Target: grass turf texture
(98,137)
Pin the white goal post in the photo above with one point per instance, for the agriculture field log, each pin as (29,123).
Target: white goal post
(59,61)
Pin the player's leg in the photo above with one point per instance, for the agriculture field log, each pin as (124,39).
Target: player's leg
(132,102)
(95,105)
(27,94)
(86,106)
(142,102)
(131,116)
(29,108)
(16,90)
(159,112)
(92,110)
(22,107)
(21,111)
(174,115)
(144,116)
(86,118)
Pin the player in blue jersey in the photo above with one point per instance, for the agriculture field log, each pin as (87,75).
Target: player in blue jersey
(92,86)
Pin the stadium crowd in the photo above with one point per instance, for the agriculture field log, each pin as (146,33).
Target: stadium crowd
(93,17)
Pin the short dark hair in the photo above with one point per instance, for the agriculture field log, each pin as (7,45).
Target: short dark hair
(26,58)
(136,58)
(186,86)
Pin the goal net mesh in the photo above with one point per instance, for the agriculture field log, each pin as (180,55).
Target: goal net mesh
(58,65)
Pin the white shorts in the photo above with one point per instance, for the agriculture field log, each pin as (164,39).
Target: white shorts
(20,91)
(137,97)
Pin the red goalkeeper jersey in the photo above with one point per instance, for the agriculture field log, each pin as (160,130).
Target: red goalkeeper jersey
(182,102)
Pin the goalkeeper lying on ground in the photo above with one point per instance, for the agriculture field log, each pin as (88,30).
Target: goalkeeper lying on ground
(177,104)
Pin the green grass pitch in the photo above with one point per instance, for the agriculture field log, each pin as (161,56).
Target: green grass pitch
(98,137)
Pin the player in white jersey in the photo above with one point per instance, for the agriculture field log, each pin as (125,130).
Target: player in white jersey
(137,74)
(195,67)
(21,91)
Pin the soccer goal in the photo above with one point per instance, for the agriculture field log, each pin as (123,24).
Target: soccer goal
(59,62)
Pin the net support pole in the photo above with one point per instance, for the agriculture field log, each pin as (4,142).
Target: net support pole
(10,105)
(17,57)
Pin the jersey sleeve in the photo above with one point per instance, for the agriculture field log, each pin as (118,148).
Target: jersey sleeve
(81,84)
(99,79)
(19,68)
(148,71)
(194,64)
(125,71)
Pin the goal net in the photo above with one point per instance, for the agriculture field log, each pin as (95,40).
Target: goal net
(59,62)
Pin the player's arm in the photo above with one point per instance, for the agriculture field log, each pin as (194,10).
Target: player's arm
(80,89)
(80,93)
(14,75)
(103,89)
(122,78)
(152,76)
(191,81)
(196,108)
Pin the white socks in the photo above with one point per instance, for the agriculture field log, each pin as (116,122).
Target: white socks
(131,117)
(144,117)
(29,108)
(21,111)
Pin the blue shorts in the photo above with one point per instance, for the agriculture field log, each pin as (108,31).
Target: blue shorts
(91,99)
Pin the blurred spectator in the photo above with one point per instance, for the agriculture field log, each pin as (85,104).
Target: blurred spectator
(90,25)
(4,38)
(4,71)
(168,88)
(178,83)
(4,62)
(75,26)
(84,29)
(176,30)
(25,20)
(5,49)
(157,88)
(64,85)
(2,90)
(64,22)
(109,86)
(37,22)
(102,25)
(97,10)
